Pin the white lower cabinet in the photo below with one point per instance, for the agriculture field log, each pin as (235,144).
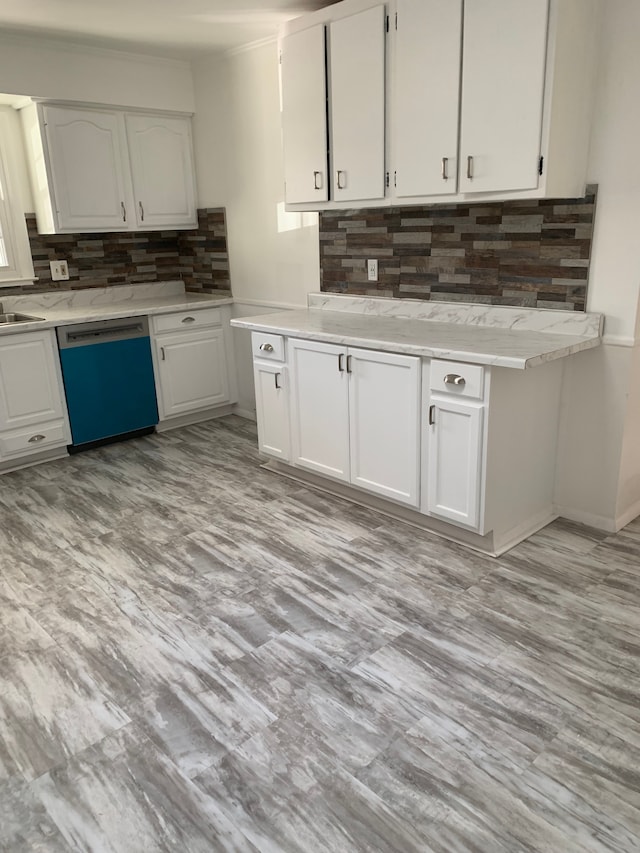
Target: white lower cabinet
(454,470)
(470,445)
(272,409)
(191,361)
(32,408)
(320,407)
(354,417)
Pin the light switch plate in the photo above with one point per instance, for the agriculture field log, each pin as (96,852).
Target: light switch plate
(59,270)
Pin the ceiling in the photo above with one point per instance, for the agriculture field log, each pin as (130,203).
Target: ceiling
(179,28)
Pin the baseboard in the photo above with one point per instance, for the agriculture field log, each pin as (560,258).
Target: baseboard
(511,538)
(35,459)
(627,516)
(196,417)
(247,414)
(600,522)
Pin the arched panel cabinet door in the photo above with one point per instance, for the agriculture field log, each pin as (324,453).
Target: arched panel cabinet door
(87,167)
(160,151)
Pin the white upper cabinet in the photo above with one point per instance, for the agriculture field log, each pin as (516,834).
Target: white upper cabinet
(356,105)
(333,109)
(162,170)
(425,129)
(304,116)
(107,170)
(487,99)
(86,166)
(503,77)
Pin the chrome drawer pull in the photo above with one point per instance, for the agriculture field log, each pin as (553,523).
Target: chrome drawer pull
(445,168)
(188,319)
(454,379)
(266,347)
(36,438)
(317,185)
(341,185)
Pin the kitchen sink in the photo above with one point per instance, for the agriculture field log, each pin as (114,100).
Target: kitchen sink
(6,319)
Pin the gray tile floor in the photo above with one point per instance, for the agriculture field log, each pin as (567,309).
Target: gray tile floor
(197,655)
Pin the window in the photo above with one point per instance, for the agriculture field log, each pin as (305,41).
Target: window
(16,265)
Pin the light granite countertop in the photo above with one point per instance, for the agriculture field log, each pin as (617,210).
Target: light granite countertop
(64,307)
(505,337)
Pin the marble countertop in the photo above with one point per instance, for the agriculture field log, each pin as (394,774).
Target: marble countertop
(62,308)
(469,341)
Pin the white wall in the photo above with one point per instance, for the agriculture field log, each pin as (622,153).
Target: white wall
(274,256)
(599,462)
(50,69)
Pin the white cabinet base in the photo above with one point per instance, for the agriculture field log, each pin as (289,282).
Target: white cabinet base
(491,544)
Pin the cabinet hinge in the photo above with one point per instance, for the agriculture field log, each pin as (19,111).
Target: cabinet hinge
(387,23)
(541,165)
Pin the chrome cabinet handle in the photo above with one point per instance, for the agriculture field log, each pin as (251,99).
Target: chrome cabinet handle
(162,355)
(188,319)
(124,211)
(36,438)
(316,185)
(349,357)
(432,415)
(445,168)
(455,379)
(340,363)
(141,211)
(470,168)
(266,347)
(276,376)
(341,186)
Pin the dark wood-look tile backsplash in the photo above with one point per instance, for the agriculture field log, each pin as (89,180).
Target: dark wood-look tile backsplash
(533,253)
(199,257)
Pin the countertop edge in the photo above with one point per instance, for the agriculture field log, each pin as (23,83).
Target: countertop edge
(133,308)
(489,359)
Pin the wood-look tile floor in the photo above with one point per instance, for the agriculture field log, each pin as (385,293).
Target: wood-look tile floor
(197,655)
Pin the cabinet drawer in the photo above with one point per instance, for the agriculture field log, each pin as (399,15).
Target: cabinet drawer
(187,320)
(268,347)
(31,440)
(457,378)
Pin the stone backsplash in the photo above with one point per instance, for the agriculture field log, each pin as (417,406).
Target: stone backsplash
(532,253)
(199,257)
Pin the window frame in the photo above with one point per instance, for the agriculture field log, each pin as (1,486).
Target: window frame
(12,218)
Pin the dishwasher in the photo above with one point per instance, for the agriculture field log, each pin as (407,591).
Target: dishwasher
(107,371)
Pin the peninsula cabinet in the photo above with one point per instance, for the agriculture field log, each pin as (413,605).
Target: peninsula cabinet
(109,170)
(354,417)
(333,114)
(32,409)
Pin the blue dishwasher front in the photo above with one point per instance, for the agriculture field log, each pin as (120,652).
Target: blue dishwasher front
(108,379)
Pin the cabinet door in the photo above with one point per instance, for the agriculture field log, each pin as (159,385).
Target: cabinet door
(427,92)
(87,169)
(29,389)
(454,475)
(304,116)
(272,408)
(356,64)
(503,71)
(192,371)
(384,390)
(320,407)
(162,170)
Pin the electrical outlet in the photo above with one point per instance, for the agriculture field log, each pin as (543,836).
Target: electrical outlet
(59,270)
(372,269)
